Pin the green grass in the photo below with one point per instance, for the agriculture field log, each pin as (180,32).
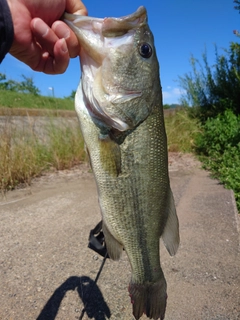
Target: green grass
(11,99)
(181,131)
(25,153)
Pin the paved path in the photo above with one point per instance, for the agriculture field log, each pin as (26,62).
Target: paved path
(46,268)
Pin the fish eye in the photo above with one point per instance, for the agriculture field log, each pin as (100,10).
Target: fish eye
(145,50)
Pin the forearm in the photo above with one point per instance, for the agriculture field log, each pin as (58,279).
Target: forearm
(6,29)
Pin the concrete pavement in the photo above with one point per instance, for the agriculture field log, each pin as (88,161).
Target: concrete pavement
(46,269)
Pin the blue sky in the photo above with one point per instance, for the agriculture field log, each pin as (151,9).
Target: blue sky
(180,28)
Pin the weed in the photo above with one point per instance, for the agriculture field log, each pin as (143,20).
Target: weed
(66,145)
(27,150)
(181,131)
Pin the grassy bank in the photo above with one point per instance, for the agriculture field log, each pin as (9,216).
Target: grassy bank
(27,149)
(26,153)
(11,99)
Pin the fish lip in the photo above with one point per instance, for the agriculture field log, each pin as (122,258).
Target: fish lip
(114,27)
(105,25)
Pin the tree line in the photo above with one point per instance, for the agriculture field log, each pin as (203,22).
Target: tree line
(25,86)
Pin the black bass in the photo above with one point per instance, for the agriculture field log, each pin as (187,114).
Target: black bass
(119,105)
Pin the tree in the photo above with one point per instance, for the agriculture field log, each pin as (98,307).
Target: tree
(25,86)
(72,95)
(237,7)
(166,106)
(213,90)
(7,84)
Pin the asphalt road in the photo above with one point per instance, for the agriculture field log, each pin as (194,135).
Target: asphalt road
(47,271)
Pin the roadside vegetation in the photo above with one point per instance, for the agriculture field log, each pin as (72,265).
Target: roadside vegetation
(213,94)
(27,151)
(182,130)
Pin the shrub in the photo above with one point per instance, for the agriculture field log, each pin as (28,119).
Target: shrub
(219,149)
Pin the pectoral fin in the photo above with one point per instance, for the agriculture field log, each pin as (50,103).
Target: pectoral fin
(110,154)
(88,155)
(170,234)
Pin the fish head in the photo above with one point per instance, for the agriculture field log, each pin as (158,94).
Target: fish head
(120,71)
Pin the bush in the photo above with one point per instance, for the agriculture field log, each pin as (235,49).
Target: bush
(219,133)
(219,148)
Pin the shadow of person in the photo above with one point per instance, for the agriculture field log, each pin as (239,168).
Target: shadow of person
(94,304)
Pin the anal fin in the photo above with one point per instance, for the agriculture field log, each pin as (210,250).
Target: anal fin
(114,248)
(170,234)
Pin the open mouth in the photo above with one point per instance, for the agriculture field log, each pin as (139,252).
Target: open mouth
(95,34)
(97,38)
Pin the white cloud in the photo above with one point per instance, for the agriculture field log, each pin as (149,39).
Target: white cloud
(178,91)
(166,95)
(172,95)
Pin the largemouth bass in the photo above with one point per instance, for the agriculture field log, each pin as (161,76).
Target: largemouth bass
(119,105)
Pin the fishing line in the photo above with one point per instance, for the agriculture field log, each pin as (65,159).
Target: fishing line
(93,285)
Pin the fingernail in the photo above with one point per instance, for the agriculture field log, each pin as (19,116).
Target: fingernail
(41,27)
(64,47)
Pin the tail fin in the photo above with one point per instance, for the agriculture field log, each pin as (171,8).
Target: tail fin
(150,299)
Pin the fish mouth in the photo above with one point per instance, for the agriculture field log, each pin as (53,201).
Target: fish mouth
(97,37)
(107,27)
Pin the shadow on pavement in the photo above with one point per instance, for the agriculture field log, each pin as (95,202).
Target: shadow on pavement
(94,305)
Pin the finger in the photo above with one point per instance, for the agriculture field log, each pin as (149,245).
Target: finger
(61,55)
(44,35)
(63,31)
(57,63)
(76,7)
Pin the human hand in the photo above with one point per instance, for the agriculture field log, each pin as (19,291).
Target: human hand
(41,40)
